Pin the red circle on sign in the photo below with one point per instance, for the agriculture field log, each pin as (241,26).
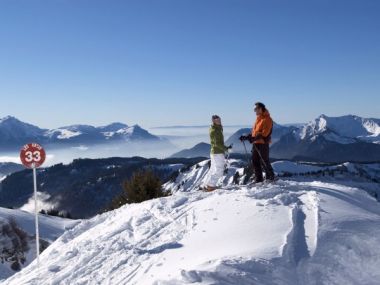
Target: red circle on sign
(32,155)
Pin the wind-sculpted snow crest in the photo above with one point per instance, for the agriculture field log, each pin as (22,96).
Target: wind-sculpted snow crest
(290,232)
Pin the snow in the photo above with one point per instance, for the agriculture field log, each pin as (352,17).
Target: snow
(372,127)
(291,232)
(64,134)
(343,130)
(126,131)
(50,229)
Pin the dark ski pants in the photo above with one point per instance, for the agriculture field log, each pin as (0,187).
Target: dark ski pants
(262,162)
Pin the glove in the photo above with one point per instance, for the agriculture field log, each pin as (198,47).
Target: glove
(258,137)
(230,147)
(246,138)
(243,138)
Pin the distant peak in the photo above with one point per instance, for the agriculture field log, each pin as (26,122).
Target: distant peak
(114,124)
(9,118)
(113,127)
(202,144)
(136,126)
(12,120)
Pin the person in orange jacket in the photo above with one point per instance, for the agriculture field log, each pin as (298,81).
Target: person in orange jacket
(261,138)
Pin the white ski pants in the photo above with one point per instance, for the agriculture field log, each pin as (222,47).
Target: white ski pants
(216,169)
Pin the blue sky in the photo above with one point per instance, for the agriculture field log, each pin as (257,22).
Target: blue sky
(173,62)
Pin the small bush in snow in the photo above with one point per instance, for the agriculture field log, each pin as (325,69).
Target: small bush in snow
(144,185)
(56,213)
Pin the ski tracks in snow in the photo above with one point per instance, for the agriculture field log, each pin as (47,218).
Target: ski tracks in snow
(301,241)
(272,234)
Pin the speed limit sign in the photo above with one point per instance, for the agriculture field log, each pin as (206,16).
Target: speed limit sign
(32,155)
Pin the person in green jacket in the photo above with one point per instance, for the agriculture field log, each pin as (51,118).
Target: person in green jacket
(218,150)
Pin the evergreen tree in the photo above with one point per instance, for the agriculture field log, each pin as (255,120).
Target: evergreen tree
(144,185)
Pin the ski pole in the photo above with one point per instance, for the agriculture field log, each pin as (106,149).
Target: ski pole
(246,154)
(227,157)
(261,157)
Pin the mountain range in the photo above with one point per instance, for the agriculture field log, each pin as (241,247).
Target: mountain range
(332,139)
(325,139)
(14,133)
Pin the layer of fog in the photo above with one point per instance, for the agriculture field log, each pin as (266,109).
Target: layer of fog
(179,138)
(68,154)
(42,203)
(187,137)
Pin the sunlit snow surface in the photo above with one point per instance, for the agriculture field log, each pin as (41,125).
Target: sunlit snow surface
(291,232)
(50,229)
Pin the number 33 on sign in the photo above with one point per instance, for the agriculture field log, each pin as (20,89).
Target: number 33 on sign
(32,155)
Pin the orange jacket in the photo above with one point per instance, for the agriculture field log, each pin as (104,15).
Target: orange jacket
(262,127)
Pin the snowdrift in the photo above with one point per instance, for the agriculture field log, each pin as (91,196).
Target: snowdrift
(288,233)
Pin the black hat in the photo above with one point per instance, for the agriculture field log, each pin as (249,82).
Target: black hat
(260,105)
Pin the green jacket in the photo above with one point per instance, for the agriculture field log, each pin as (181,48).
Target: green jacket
(217,140)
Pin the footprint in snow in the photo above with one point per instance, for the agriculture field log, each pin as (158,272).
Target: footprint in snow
(54,268)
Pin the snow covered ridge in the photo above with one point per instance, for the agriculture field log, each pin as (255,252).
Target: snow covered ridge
(14,133)
(345,129)
(332,139)
(325,139)
(342,130)
(365,176)
(296,231)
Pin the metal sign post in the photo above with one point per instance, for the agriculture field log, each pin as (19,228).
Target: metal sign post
(32,156)
(36,216)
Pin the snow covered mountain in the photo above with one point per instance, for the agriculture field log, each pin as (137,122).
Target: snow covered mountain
(343,130)
(326,139)
(14,133)
(296,231)
(332,139)
(200,150)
